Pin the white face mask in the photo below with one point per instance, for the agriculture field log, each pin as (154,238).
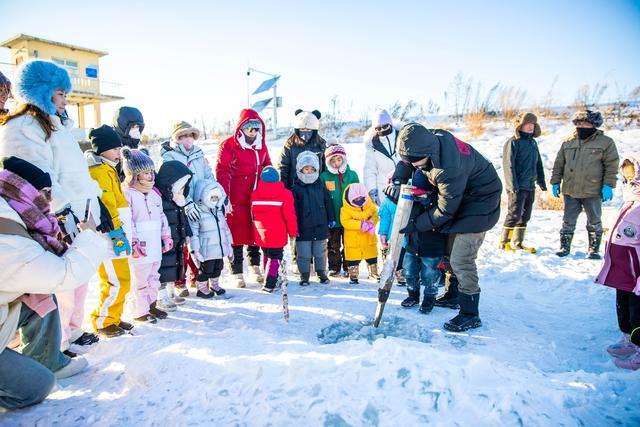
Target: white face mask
(179,199)
(135,133)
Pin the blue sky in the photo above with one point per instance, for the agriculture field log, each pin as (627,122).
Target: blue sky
(184,60)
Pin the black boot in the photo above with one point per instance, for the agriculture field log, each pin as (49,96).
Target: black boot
(412,299)
(322,276)
(468,316)
(427,304)
(565,244)
(594,245)
(304,279)
(450,297)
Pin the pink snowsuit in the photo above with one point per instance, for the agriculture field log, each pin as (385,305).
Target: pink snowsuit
(149,225)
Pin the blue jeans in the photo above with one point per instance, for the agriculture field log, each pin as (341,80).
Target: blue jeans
(26,378)
(421,269)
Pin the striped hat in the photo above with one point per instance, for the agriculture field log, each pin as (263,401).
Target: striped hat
(335,150)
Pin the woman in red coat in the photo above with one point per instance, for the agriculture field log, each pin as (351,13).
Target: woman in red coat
(241,158)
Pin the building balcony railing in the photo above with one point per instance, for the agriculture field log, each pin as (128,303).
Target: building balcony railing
(94,87)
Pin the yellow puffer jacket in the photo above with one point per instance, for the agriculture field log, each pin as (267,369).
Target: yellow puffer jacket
(107,178)
(358,245)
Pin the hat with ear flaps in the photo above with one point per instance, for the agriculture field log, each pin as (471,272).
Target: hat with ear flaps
(526,118)
(593,117)
(37,80)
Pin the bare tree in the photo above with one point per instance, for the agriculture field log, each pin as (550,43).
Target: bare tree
(586,97)
(547,100)
(510,100)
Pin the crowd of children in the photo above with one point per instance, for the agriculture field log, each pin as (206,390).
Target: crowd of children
(162,220)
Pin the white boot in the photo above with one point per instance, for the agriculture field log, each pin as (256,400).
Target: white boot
(75,366)
(171,294)
(238,281)
(255,270)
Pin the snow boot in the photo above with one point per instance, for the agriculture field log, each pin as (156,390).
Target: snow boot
(255,270)
(156,312)
(565,244)
(505,239)
(373,272)
(595,238)
(70,353)
(147,318)
(354,271)
(203,290)
(238,281)
(518,239)
(411,300)
(215,287)
(125,325)
(75,366)
(270,284)
(165,304)
(86,339)
(304,279)
(181,291)
(111,331)
(468,317)
(400,278)
(428,302)
(632,362)
(173,297)
(450,297)
(623,348)
(334,273)
(322,277)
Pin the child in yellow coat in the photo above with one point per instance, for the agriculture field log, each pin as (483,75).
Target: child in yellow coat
(359,216)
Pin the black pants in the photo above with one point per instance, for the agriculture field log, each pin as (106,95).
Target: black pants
(370,261)
(628,310)
(335,249)
(519,208)
(401,259)
(253,252)
(210,269)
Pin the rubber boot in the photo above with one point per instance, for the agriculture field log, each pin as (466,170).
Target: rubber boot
(565,244)
(354,271)
(468,317)
(450,297)
(595,238)
(505,239)
(518,239)
(373,272)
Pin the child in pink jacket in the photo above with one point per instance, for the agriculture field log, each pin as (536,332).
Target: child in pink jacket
(151,236)
(621,268)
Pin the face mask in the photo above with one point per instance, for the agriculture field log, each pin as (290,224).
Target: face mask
(306,134)
(210,203)
(359,201)
(135,133)
(384,132)
(186,143)
(179,199)
(308,178)
(112,163)
(526,135)
(584,133)
(426,167)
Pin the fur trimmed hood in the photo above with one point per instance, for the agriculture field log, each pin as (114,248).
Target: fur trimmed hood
(526,118)
(37,80)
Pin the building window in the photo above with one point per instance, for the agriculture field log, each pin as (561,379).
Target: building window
(69,65)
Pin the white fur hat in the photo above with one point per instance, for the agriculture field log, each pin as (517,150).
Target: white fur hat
(307,120)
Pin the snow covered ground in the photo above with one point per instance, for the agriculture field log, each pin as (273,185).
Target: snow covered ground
(539,359)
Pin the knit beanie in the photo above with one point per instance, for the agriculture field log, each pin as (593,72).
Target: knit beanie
(184,128)
(104,139)
(593,117)
(335,150)
(135,162)
(270,174)
(380,118)
(27,171)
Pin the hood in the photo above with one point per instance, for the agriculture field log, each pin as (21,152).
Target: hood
(415,142)
(635,159)
(204,187)
(269,190)
(169,173)
(92,158)
(345,199)
(246,115)
(123,119)
(526,118)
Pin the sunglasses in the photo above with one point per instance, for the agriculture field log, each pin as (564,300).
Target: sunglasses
(252,129)
(382,128)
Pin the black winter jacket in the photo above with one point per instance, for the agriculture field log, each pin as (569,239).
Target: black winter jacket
(468,186)
(314,210)
(430,243)
(522,165)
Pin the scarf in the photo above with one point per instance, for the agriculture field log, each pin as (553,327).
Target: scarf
(142,185)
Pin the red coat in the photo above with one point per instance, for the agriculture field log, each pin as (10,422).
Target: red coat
(274,217)
(237,170)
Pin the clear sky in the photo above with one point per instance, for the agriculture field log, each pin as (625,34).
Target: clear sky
(182,60)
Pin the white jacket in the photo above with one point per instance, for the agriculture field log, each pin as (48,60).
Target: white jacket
(28,268)
(60,156)
(377,165)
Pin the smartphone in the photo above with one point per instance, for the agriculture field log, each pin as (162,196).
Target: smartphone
(87,210)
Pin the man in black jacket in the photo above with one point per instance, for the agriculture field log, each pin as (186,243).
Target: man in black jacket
(468,206)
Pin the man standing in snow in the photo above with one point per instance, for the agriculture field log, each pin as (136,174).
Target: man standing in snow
(587,166)
(468,206)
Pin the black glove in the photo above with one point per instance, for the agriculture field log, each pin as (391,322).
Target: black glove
(106,222)
(410,228)
(392,191)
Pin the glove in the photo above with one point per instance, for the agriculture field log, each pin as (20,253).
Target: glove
(106,222)
(331,224)
(543,186)
(167,244)
(371,227)
(120,242)
(607,193)
(556,190)
(393,190)
(193,212)
(421,196)
(410,228)
(374,196)
(139,248)
(383,240)
(364,226)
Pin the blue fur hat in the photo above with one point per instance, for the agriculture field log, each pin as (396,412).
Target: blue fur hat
(37,80)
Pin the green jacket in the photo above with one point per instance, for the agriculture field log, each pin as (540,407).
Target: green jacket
(584,167)
(332,182)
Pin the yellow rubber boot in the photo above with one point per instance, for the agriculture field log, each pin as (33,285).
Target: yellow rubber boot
(518,239)
(505,239)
